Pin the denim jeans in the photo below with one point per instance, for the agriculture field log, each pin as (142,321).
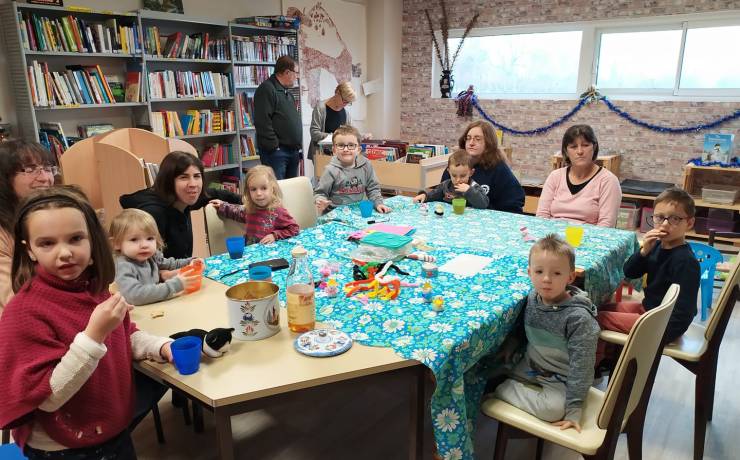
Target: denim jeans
(118,448)
(283,161)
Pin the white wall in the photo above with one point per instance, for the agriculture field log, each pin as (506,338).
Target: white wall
(384,67)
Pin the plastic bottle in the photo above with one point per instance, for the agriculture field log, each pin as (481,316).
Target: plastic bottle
(299,291)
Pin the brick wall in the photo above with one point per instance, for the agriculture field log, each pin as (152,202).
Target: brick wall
(645,154)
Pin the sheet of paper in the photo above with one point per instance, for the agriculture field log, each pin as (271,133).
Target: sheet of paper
(466,265)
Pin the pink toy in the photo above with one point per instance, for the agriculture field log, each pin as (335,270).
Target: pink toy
(525,234)
(332,288)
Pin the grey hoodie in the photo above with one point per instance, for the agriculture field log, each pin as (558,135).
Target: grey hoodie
(139,282)
(561,339)
(349,184)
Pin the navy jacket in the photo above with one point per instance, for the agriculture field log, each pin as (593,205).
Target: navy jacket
(503,189)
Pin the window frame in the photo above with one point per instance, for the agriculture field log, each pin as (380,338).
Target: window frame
(589,56)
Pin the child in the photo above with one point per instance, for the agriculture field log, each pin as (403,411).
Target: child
(138,248)
(459,185)
(349,177)
(552,380)
(265,218)
(667,259)
(66,344)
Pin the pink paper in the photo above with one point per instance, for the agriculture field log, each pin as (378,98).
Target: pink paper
(395,229)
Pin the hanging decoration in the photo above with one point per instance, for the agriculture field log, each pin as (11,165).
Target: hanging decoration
(734,163)
(593,96)
(446,81)
(464,102)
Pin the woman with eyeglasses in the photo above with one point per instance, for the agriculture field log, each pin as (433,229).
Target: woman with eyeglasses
(24,168)
(331,114)
(490,168)
(581,191)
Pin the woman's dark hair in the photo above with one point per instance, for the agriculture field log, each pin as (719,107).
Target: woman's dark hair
(174,164)
(573,133)
(14,155)
(492,155)
(103,269)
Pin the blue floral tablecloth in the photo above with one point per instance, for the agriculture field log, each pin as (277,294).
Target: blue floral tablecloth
(478,311)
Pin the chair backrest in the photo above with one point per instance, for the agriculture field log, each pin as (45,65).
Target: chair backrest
(642,347)
(707,256)
(723,301)
(298,200)
(218,229)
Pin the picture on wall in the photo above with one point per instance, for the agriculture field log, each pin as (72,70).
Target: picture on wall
(168,6)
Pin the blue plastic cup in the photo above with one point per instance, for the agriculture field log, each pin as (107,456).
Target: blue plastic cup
(235,246)
(186,354)
(366,208)
(260,273)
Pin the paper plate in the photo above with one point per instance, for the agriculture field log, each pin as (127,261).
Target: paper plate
(323,342)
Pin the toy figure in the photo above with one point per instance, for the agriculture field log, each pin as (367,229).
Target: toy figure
(439,211)
(438,304)
(216,342)
(426,292)
(331,289)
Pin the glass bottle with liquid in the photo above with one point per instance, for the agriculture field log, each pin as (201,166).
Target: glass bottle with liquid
(299,292)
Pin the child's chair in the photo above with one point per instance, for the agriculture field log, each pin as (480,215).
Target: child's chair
(708,258)
(11,452)
(298,200)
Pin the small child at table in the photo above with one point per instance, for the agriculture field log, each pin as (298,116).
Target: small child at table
(265,218)
(459,185)
(558,322)
(349,177)
(137,245)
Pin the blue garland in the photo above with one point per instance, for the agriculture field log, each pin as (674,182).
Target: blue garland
(734,163)
(593,96)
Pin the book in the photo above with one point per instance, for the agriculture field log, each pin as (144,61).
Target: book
(116,87)
(133,87)
(94,129)
(718,147)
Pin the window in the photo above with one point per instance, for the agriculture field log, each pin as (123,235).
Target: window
(534,63)
(710,61)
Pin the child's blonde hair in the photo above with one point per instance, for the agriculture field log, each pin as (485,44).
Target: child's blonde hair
(262,171)
(553,244)
(133,219)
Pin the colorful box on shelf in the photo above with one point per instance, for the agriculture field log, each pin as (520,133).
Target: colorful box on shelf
(720,194)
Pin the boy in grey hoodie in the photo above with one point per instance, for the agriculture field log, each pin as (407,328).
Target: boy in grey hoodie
(459,185)
(559,322)
(349,177)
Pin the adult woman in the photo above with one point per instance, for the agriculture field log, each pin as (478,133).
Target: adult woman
(178,189)
(491,171)
(24,168)
(330,115)
(582,191)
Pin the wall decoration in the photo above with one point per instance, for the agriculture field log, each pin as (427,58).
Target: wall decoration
(168,6)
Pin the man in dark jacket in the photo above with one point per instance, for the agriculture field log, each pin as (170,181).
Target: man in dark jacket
(277,121)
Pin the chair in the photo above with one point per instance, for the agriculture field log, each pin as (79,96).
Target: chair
(298,200)
(698,350)
(218,229)
(605,414)
(708,258)
(11,452)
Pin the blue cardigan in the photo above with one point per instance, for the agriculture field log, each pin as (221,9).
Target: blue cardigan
(504,191)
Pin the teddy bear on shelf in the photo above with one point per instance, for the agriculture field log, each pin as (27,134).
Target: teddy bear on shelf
(216,342)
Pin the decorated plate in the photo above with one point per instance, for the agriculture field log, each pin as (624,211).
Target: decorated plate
(323,342)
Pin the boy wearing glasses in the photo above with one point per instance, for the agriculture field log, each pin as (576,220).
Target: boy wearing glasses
(349,177)
(666,259)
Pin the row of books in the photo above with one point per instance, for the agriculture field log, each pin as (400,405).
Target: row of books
(219,154)
(417,152)
(168,84)
(72,34)
(250,75)
(264,48)
(170,123)
(77,85)
(247,145)
(246,109)
(286,22)
(51,136)
(183,46)
(226,182)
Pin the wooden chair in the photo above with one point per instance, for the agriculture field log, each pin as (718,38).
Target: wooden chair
(218,229)
(298,200)
(697,350)
(605,414)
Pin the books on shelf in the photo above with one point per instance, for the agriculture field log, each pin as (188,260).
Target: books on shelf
(250,75)
(52,137)
(116,87)
(246,109)
(93,130)
(168,84)
(718,147)
(77,85)
(180,45)
(262,48)
(193,122)
(417,152)
(77,35)
(218,154)
(134,90)
(247,147)
(286,22)
(227,182)
(150,171)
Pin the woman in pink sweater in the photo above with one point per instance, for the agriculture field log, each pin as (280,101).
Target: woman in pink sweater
(582,191)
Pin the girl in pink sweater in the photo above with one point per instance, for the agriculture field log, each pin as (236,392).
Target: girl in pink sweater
(582,191)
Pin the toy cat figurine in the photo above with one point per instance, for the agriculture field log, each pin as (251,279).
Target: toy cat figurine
(216,342)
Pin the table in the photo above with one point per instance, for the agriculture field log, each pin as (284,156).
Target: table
(480,310)
(254,373)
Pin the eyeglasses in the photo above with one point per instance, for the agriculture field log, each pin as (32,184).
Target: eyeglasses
(345,102)
(474,138)
(657,219)
(36,170)
(345,146)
